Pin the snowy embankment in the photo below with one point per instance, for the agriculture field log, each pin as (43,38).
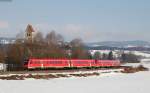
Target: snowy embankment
(106,83)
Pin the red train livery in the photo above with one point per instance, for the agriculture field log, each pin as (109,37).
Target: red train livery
(61,63)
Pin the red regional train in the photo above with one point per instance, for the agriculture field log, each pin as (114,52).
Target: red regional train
(34,63)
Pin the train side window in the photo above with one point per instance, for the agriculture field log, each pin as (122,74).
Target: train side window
(59,62)
(56,62)
(81,62)
(41,62)
(37,62)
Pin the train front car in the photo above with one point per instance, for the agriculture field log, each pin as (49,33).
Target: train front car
(48,63)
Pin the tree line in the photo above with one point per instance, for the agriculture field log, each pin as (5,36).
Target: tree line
(52,45)
(104,56)
(123,57)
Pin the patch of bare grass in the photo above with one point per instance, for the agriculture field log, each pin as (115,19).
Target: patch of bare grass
(134,69)
(85,74)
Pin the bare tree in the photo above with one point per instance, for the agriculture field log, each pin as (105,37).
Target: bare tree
(78,50)
(104,56)
(77,42)
(38,38)
(20,35)
(15,55)
(2,56)
(51,38)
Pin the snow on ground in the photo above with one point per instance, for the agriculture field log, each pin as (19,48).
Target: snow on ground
(108,83)
(147,55)
(146,60)
(132,64)
(105,71)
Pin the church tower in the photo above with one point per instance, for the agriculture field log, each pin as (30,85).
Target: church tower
(29,33)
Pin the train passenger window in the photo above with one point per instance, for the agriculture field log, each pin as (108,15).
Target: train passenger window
(57,62)
(37,62)
(81,62)
(41,62)
(54,62)
(50,62)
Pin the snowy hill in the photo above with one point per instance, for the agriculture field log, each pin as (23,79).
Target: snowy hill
(121,44)
(4,40)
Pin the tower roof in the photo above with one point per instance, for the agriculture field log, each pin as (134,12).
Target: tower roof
(29,28)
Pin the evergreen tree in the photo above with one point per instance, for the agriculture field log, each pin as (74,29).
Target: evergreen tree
(110,55)
(130,57)
(97,55)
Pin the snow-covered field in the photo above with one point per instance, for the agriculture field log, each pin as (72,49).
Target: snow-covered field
(108,83)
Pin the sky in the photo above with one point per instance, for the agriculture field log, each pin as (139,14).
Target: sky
(90,20)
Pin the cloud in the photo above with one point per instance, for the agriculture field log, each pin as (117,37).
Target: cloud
(71,31)
(91,33)
(4,24)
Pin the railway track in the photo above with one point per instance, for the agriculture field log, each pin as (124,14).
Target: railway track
(61,71)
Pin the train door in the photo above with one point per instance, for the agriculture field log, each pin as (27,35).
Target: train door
(41,63)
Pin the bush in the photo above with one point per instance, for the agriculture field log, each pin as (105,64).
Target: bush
(130,57)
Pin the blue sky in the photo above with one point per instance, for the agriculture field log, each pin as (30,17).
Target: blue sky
(91,20)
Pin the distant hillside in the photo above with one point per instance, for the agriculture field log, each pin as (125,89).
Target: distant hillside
(4,40)
(118,45)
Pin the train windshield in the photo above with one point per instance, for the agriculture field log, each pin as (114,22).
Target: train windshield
(26,61)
